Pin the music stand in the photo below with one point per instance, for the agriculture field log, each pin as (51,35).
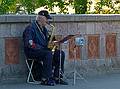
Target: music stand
(78,42)
(60,42)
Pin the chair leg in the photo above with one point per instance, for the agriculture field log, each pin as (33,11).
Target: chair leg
(30,75)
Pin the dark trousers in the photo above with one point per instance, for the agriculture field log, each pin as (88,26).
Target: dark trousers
(50,61)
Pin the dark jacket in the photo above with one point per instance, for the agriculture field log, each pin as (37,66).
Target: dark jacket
(39,37)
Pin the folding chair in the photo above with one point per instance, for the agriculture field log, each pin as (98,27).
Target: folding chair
(30,78)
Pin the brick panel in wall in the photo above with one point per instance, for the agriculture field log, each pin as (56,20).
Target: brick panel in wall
(74,52)
(77,52)
(110,45)
(11,50)
(93,46)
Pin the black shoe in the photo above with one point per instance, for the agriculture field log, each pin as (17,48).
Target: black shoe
(49,82)
(61,81)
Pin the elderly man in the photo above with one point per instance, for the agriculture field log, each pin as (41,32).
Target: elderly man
(36,39)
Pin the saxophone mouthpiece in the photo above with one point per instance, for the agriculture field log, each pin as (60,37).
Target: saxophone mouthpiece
(48,23)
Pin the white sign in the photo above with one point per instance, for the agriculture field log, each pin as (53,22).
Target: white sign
(80,41)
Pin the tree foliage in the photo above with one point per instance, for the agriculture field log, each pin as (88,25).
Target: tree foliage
(106,7)
(80,6)
(29,6)
(7,6)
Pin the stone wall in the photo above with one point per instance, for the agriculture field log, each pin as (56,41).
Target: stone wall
(92,27)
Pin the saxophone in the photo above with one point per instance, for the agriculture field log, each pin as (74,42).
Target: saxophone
(50,44)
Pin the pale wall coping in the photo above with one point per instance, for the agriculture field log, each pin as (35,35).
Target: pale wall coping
(61,18)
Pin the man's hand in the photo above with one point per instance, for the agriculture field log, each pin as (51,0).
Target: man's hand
(56,42)
(32,44)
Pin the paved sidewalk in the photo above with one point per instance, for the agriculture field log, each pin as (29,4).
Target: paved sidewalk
(109,81)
